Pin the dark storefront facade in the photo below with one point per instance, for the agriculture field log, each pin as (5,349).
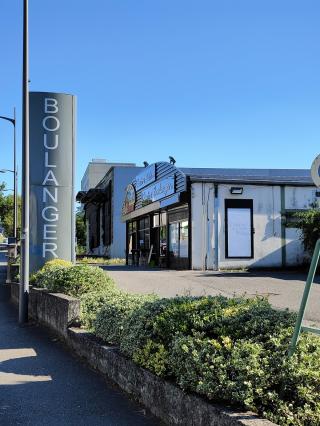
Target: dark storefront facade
(157,215)
(106,233)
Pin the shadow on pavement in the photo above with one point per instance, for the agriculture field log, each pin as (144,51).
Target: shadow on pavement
(41,383)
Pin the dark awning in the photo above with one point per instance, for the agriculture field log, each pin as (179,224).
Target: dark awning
(94,195)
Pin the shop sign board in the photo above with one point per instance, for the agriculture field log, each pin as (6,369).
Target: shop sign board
(52,145)
(146,177)
(129,200)
(158,191)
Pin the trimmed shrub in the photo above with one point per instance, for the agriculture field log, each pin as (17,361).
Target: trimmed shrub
(39,278)
(215,316)
(113,316)
(227,350)
(77,280)
(252,375)
(91,304)
(230,350)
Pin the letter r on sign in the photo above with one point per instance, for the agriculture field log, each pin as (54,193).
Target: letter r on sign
(50,248)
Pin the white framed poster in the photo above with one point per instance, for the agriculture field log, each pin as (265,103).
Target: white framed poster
(239,232)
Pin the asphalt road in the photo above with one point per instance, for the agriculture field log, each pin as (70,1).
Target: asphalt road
(42,384)
(283,289)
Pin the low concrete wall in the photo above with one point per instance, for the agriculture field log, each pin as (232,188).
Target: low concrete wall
(14,293)
(54,310)
(12,272)
(164,399)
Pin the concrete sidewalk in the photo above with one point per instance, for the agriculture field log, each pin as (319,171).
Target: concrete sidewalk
(42,384)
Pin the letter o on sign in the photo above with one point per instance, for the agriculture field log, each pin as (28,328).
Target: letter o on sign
(315,171)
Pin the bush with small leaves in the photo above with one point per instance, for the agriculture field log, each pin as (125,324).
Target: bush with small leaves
(77,280)
(110,320)
(91,304)
(228,350)
(40,278)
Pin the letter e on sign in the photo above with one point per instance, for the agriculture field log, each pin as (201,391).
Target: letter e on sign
(315,171)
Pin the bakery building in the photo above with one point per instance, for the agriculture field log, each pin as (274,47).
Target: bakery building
(102,204)
(210,219)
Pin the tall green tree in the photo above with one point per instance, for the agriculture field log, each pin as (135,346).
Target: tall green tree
(7,210)
(81,229)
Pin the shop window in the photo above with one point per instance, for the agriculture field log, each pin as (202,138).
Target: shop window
(132,236)
(178,239)
(174,239)
(184,240)
(144,233)
(159,219)
(163,241)
(156,220)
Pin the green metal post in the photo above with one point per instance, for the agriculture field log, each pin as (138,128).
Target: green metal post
(311,274)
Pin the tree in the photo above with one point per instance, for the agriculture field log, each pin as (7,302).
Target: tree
(7,209)
(81,232)
(309,224)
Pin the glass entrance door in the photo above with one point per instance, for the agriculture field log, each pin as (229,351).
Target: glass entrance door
(179,244)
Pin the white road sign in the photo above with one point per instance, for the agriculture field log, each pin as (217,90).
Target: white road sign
(315,171)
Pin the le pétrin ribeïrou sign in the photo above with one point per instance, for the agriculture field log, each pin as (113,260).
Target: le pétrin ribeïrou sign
(52,142)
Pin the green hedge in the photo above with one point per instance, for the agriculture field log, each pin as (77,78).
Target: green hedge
(74,280)
(43,277)
(112,318)
(91,303)
(228,350)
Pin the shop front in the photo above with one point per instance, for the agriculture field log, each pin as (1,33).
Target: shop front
(156,211)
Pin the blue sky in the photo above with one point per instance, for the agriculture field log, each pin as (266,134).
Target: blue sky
(212,83)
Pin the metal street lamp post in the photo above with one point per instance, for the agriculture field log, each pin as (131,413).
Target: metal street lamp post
(14,171)
(24,273)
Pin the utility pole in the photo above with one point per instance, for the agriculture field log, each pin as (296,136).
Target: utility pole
(15,187)
(24,280)
(15,172)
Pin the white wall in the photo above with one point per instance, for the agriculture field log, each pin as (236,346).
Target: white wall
(93,174)
(266,222)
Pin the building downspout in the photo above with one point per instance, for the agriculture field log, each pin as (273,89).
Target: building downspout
(216,229)
(208,229)
(101,246)
(283,227)
(204,240)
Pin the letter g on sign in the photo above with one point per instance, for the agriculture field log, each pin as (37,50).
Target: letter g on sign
(50,217)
